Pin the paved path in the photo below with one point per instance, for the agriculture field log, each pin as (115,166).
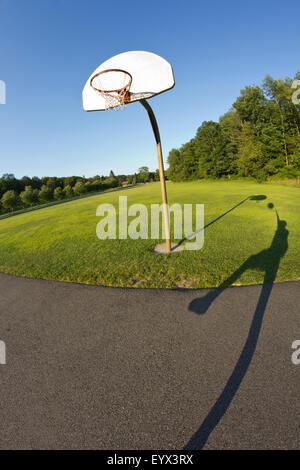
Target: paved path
(108,368)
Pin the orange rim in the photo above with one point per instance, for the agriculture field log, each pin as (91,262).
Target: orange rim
(124,88)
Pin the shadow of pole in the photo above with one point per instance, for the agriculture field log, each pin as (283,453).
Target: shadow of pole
(257,198)
(267,260)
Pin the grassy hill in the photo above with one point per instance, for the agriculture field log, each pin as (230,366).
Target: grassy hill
(60,242)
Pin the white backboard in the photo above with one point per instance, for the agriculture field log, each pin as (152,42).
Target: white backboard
(151,75)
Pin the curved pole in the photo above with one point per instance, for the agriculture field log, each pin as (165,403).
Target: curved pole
(161,172)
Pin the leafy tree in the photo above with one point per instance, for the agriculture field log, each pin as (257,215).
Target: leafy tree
(8,176)
(26,181)
(295,158)
(110,183)
(79,188)
(143,174)
(58,193)
(274,89)
(35,196)
(36,182)
(45,194)
(190,159)
(250,105)
(156,175)
(176,165)
(29,196)
(220,149)
(210,149)
(230,127)
(10,200)
(68,191)
(70,181)
(250,156)
(51,183)
(9,182)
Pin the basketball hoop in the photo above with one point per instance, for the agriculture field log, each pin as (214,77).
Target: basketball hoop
(114,98)
(125,78)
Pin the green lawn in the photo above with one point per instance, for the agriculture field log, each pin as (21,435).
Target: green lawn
(60,242)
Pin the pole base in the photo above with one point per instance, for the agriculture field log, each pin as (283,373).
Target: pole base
(161,248)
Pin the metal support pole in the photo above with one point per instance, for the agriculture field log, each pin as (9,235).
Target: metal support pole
(161,172)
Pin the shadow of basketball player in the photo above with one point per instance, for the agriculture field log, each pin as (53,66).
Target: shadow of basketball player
(267,261)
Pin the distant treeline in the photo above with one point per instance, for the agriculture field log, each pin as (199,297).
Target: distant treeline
(259,137)
(26,192)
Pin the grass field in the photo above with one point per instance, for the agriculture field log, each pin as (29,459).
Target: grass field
(60,242)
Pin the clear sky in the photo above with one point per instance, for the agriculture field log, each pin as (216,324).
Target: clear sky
(48,49)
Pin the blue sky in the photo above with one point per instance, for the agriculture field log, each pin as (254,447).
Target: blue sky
(48,48)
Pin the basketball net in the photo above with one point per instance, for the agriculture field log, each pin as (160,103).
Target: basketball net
(118,97)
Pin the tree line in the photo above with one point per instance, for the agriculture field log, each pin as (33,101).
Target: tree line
(26,192)
(258,137)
